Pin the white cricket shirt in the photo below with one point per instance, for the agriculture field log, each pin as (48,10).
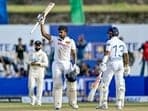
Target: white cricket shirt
(62,48)
(116,47)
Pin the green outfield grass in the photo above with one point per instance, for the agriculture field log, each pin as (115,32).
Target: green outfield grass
(66,107)
(121,7)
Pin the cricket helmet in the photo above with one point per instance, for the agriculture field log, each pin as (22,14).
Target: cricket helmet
(72,76)
(113,31)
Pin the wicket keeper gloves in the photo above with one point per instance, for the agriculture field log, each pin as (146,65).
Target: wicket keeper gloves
(102,67)
(126,70)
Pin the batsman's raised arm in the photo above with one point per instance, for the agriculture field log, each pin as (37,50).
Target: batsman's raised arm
(43,31)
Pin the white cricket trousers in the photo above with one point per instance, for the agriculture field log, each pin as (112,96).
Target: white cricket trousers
(59,69)
(114,68)
(36,79)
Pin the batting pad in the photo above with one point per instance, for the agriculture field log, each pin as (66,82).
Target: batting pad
(57,94)
(72,92)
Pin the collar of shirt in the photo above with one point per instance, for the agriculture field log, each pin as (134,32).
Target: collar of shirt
(66,38)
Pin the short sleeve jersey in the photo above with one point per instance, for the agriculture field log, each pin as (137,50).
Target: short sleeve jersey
(62,48)
(116,47)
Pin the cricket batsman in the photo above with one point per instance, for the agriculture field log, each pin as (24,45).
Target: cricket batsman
(115,63)
(64,50)
(38,62)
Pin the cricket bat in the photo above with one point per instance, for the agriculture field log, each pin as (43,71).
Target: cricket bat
(43,15)
(94,87)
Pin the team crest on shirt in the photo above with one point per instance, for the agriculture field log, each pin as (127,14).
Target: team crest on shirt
(67,42)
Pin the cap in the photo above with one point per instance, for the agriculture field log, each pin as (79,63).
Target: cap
(38,42)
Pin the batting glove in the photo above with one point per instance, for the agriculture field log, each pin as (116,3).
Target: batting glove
(76,69)
(126,70)
(40,17)
(102,67)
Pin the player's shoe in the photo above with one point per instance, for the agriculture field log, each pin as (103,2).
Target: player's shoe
(33,100)
(103,107)
(119,105)
(57,108)
(32,103)
(74,106)
(39,103)
(98,107)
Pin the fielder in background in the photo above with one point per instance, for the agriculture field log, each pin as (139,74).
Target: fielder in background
(64,52)
(38,62)
(144,50)
(115,62)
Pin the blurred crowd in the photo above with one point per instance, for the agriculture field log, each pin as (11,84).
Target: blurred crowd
(85,1)
(16,64)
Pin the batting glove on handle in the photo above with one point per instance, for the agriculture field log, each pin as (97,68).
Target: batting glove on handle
(41,18)
(126,70)
(102,67)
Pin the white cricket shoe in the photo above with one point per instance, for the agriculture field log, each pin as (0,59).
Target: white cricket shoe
(57,108)
(98,107)
(119,105)
(39,103)
(74,106)
(103,107)
(33,101)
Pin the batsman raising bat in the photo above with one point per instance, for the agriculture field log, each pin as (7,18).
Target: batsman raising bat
(43,15)
(62,67)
